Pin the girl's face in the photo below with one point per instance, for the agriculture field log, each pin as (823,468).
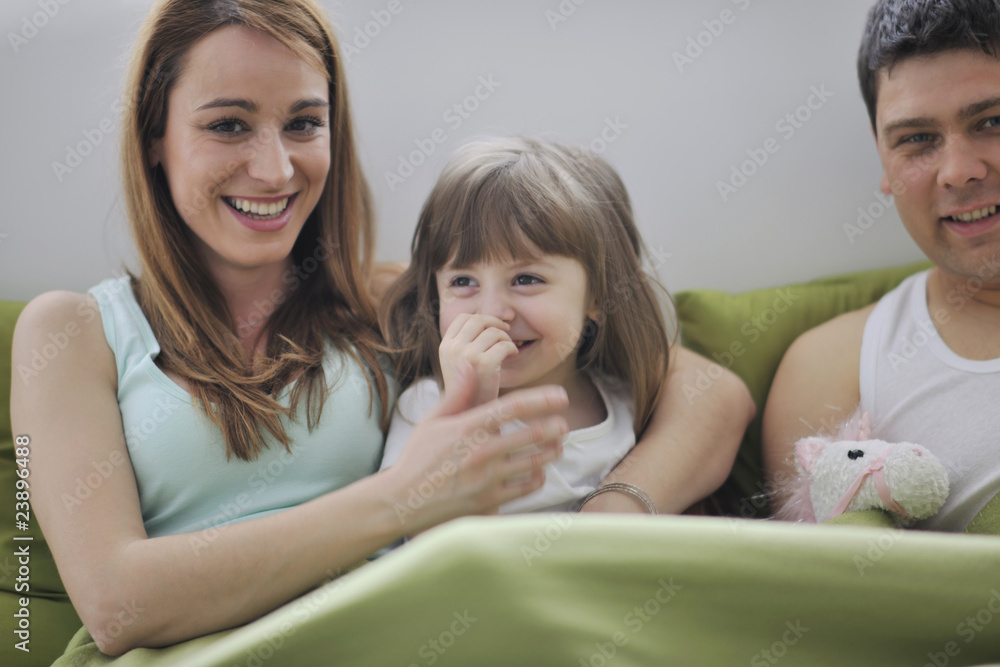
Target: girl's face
(545,301)
(246,149)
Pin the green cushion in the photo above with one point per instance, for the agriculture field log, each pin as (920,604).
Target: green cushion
(748,333)
(52,618)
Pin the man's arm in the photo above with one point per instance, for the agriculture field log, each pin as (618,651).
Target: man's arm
(814,391)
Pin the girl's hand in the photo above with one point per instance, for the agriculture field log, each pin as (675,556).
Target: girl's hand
(457,463)
(483,343)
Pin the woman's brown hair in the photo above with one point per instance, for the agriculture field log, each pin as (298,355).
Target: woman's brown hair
(198,338)
(509,199)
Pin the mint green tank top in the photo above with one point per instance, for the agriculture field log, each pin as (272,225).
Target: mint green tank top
(185,482)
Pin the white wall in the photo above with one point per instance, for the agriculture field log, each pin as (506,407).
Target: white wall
(681,130)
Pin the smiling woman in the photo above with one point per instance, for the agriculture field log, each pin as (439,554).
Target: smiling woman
(264,164)
(252,320)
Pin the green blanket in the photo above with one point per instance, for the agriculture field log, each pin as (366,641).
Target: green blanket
(632,590)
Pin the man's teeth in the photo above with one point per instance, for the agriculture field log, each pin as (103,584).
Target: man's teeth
(260,209)
(972,216)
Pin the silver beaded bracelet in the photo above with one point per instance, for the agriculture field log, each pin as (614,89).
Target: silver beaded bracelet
(624,487)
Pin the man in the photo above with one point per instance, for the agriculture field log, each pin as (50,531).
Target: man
(924,361)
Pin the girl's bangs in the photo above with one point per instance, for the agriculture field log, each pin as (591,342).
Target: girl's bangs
(509,220)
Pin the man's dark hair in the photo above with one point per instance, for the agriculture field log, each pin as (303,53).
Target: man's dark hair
(900,29)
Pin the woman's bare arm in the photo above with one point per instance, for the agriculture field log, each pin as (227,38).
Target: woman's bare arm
(131,590)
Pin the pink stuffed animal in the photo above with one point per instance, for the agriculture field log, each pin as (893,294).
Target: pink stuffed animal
(851,472)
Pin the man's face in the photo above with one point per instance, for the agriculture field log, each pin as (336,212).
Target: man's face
(938,122)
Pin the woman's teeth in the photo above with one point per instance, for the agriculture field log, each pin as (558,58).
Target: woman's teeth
(260,211)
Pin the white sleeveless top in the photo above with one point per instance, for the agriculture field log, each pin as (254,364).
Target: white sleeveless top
(918,390)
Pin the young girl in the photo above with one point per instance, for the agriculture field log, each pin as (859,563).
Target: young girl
(527,265)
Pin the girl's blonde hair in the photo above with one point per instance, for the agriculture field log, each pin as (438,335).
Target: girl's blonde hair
(509,199)
(188,314)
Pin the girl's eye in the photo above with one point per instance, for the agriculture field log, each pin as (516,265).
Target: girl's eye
(526,279)
(228,126)
(460,281)
(306,125)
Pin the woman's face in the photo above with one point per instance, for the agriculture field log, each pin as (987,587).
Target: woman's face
(247,148)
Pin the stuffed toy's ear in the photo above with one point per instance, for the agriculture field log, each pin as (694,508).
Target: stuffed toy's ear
(857,428)
(807,450)
(865,428)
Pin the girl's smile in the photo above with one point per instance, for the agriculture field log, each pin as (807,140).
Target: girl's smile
(544,300)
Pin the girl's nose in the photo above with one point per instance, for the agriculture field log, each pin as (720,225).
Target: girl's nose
(496,303)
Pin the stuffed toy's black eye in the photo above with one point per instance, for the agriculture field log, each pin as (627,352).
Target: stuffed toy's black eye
(855,454)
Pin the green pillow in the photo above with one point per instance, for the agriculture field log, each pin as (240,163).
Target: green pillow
(748,333)
(50,614)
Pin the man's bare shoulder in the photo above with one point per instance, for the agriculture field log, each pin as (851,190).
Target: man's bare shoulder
(829,343)
(816,385)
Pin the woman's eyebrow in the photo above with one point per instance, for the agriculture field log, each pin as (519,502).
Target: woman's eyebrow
(305,104)
(229,102)
(252,107)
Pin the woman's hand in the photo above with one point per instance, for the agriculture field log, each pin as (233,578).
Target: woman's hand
(483,343)
(457,463)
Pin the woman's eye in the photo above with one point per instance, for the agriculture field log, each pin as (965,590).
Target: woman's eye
(991,123)
(227,126)
(525,279)
(306,124)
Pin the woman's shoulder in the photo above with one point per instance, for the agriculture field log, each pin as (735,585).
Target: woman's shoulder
(60,328)
(59,310)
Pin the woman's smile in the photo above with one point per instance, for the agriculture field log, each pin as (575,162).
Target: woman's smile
(262,214)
